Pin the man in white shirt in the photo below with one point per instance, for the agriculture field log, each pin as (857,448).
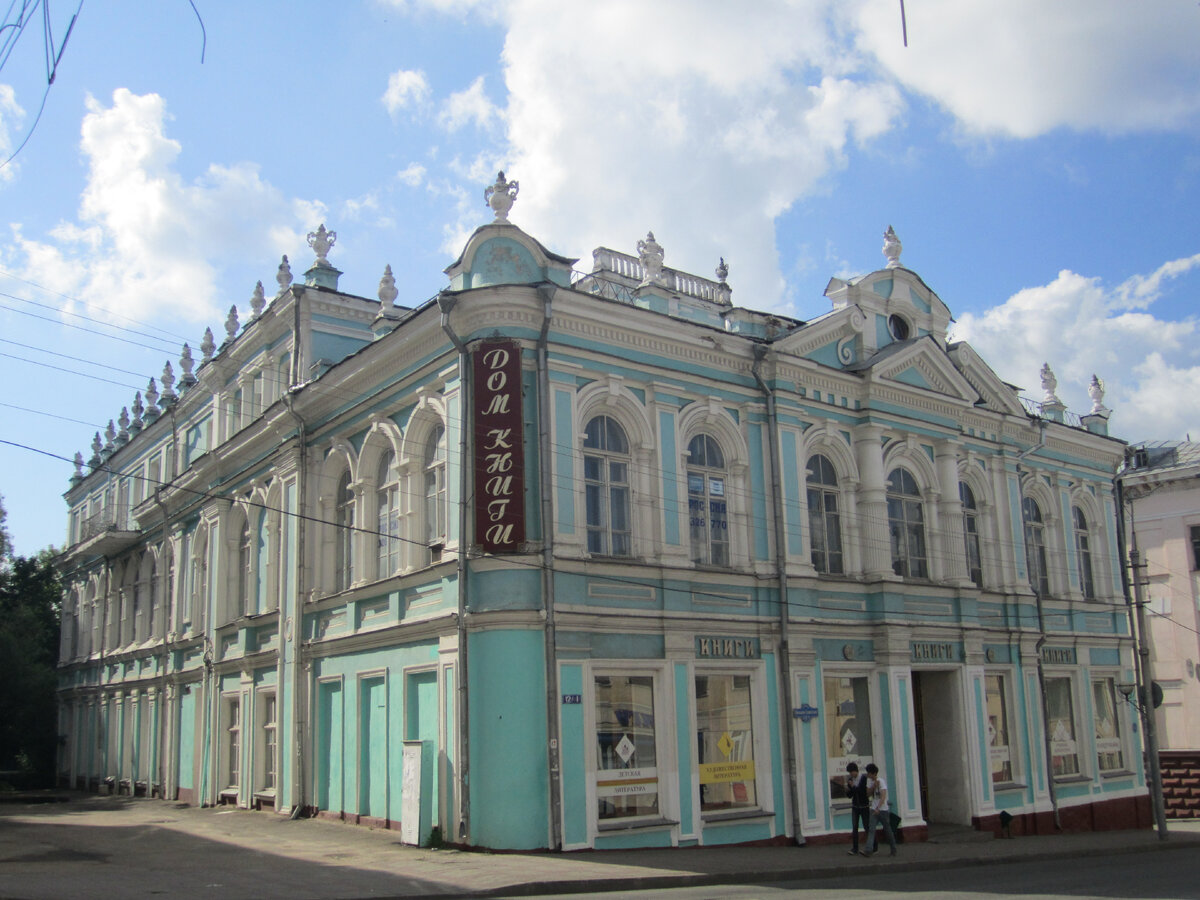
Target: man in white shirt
(877,790)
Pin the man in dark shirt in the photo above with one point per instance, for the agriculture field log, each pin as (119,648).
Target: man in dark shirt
(856,790)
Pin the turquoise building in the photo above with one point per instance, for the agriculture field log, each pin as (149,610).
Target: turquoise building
(564,559)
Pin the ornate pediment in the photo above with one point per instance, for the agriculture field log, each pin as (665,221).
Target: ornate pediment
(921,363)
(994,393)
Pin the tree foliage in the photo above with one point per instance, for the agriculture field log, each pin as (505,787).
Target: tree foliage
(30,597)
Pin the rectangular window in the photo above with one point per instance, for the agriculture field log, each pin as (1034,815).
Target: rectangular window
(1195,533)
(1108,727)
(847,729)
(999,755)
(1060,715)
(725,739)
(626,751)
(233,738)
(268,741)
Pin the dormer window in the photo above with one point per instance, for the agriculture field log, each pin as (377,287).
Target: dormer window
(898,327)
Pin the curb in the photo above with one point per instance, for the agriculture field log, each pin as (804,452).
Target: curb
(716,879)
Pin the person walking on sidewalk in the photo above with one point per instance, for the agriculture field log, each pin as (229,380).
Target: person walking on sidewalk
(860,806)
(877,789)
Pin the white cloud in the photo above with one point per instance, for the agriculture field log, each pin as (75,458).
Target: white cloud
(11,115)
(1151,366)
(412,174)
(146,242)
(405,88)
(1025,67)
(468,107)
(701,121)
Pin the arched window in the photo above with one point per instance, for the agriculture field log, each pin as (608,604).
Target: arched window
(193,615)
(387,502)
(707,505)
(435,487)
(970,511)
(1083,551)
(606,481)
(906,525)
(824,521)
(244,570)
(1035,546)
(343,520)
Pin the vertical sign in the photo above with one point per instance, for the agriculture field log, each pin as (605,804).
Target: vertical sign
(499,448)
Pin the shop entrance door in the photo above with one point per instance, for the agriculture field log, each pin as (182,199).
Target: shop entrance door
(940,733)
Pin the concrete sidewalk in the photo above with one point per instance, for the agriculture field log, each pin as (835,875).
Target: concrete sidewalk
(108,846)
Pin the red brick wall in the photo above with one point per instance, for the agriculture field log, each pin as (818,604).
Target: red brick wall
(1181,783)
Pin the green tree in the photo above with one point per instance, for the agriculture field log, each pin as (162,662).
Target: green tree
(30,597)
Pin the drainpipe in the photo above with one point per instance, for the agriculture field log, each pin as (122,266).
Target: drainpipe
(446,303)
(299,662)
(546,292)
(168,609)
(760,353)
(1141,656)
(1041,671)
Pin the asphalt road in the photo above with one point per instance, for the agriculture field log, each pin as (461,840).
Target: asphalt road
(1169,875)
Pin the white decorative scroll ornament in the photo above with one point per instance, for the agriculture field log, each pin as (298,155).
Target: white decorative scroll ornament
(387,290)
(500,197)
(284,276)
(845,349)
(320,241)
(651,253)
(892,248)
(1049,385)
(257,301)
(207,346)
(1096,393)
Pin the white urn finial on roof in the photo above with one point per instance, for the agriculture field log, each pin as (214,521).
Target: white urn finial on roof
(387,290)
(892,248)
(651,254)
(320,241)
(78,476)
(151,401)
(207,346)
(123,421)
(110,435)
(500,197)
(138,408)
(284,276)
(257,301)
(97,449)
(231,324)
(168,386)
(186,364)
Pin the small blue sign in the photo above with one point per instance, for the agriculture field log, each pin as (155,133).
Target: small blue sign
(805,713)
(572,698)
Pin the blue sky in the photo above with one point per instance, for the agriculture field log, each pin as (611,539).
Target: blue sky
(1039,162)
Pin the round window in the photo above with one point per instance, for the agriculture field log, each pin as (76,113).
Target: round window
(898,327)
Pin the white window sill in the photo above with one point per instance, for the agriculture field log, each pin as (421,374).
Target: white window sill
(636,824)
(735,815)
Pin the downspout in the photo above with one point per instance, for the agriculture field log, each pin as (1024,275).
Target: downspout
(446,303)
(1041,671)
(760,353)
(168,609)
(546,292)
(299,663)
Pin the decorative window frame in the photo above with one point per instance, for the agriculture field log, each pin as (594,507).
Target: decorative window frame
(609,397)
(708,418)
